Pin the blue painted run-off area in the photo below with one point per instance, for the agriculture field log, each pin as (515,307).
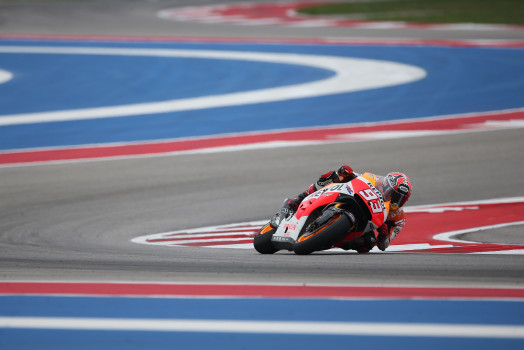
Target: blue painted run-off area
(440,312)
(459,80)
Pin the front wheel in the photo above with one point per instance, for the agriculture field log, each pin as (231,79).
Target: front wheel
(324,236)
(262,240)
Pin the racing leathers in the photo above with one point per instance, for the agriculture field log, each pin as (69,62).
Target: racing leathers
(394,222)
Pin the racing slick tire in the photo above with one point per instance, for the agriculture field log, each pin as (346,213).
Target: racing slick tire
(323,237)
(262,240)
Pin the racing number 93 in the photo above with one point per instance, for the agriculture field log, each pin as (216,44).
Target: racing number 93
(373,200)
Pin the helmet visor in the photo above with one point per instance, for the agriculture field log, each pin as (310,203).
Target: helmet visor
(396,197)
(387,190)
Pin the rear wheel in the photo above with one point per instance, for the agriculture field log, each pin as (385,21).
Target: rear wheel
(262,240)
(323,237)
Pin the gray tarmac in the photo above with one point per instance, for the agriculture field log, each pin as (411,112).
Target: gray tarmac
(75,221)
(121,17)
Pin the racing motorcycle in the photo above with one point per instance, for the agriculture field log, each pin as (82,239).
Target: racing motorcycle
(342,215)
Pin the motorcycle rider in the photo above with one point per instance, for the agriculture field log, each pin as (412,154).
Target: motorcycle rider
(396,188)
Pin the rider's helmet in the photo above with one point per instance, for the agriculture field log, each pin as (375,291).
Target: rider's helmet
(396,188)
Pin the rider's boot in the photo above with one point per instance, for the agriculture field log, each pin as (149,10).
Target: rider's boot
(369,243)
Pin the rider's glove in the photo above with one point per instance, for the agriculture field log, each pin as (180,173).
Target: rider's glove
(345,171)
(293,204)
(383,237)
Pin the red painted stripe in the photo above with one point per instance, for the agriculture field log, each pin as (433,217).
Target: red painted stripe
(428,226)
(266,291)
(246,231)
(286,14)
(318,41)
(471,248)
(210,244)
(201,237)
(328,134)
(421,227)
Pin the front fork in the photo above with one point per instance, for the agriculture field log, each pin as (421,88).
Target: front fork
(284,212)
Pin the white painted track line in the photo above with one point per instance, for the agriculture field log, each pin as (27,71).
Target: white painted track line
(274,327)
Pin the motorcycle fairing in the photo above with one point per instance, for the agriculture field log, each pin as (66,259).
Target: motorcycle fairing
(291,226)
(324,196)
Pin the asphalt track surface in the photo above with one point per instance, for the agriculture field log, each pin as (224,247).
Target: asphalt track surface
(139,18)
(74,222)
